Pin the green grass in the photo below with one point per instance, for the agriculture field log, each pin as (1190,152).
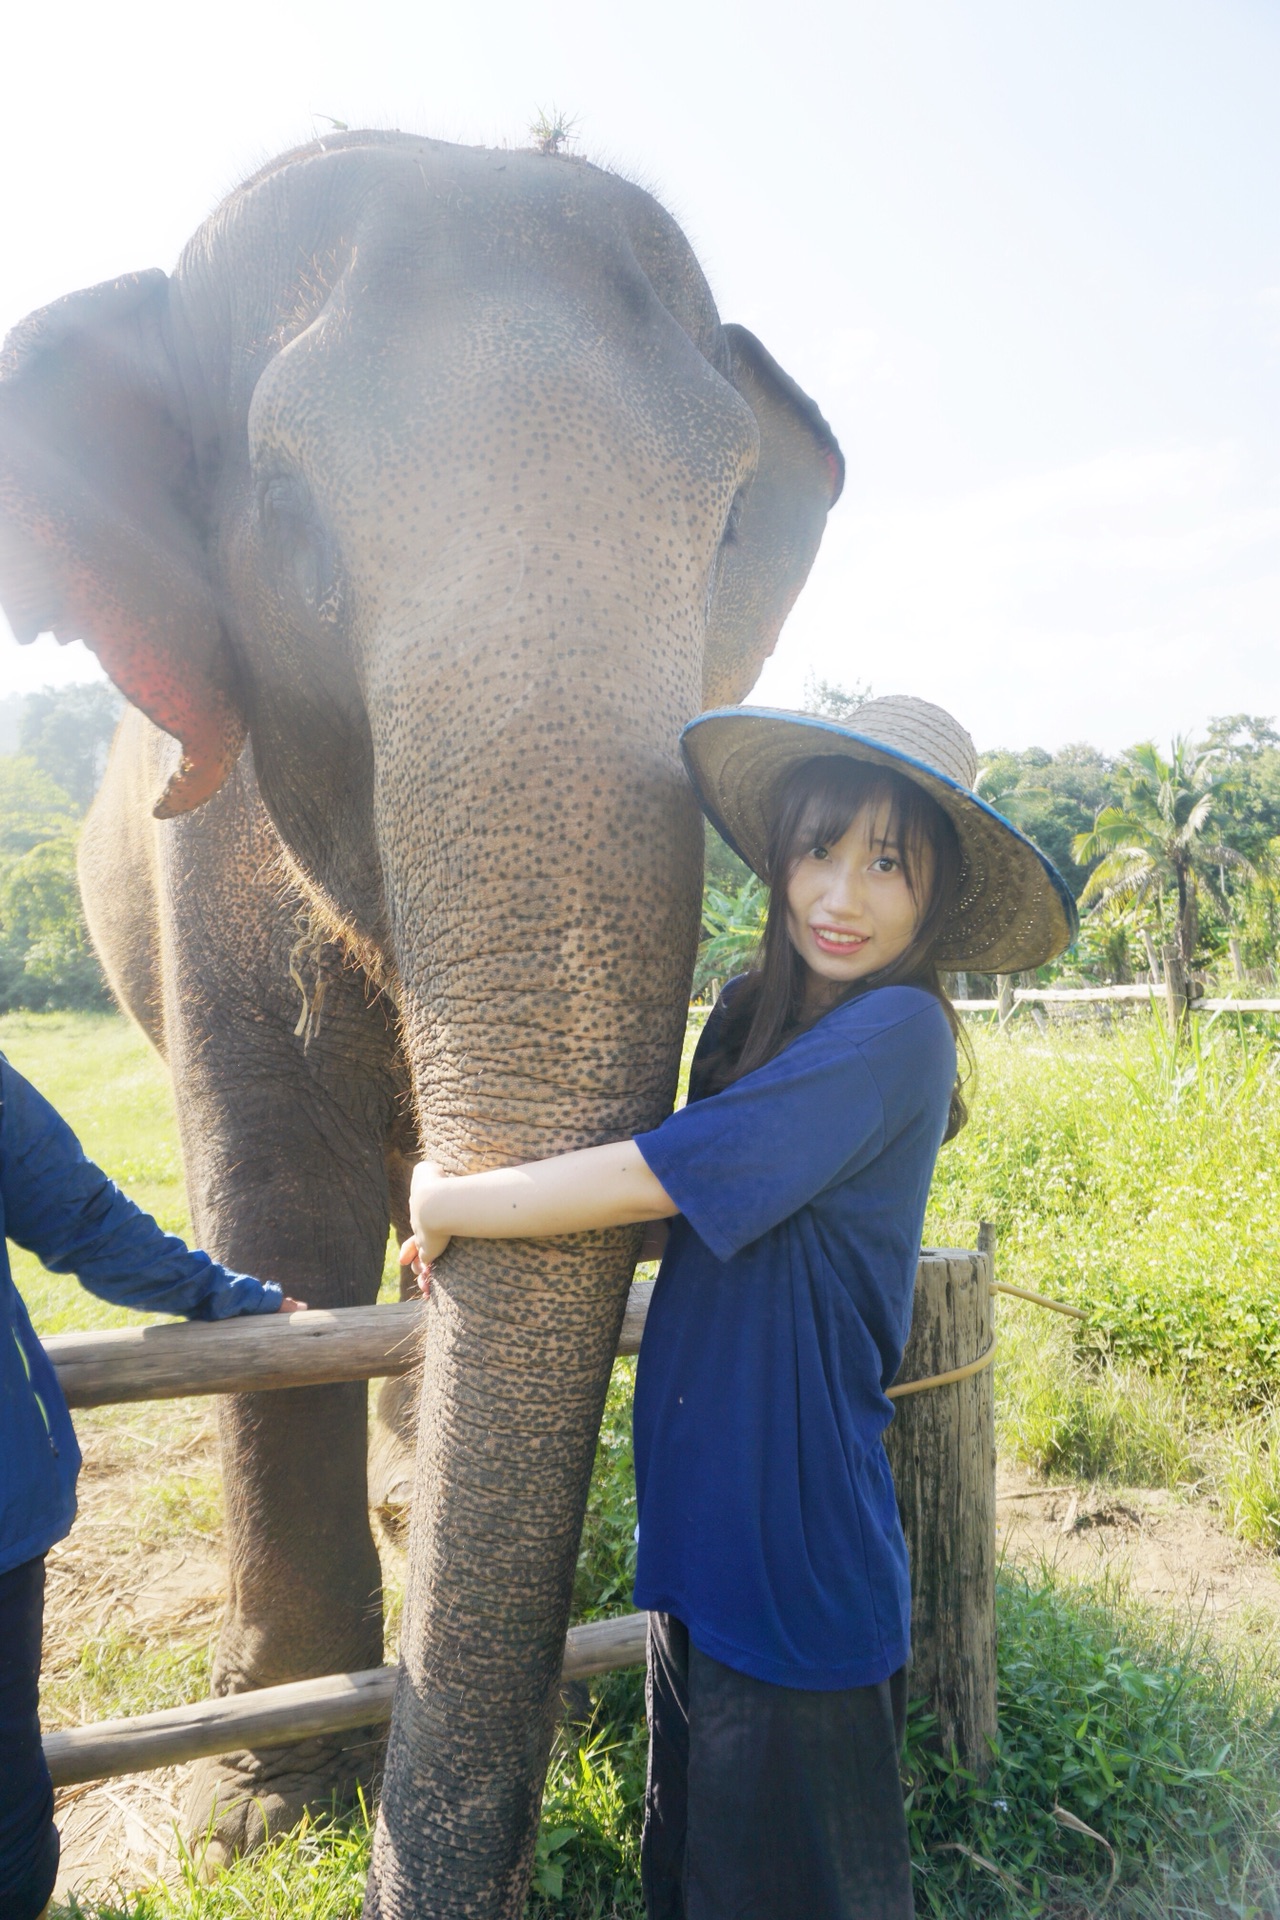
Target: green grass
(123,1670)
(1137,1181)
(1136,1727)
(1140,1181)
(1073,1416)
(317,1872)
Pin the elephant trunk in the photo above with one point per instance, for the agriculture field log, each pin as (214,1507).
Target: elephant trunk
(543,1002)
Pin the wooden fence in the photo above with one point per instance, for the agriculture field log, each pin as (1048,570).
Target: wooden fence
(942,1448)
(1172,994)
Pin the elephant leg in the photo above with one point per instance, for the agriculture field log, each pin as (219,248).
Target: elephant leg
(239,1800)
(304,1578)
(284,1135)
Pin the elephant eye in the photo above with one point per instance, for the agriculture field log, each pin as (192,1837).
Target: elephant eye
(305,558)
(733,520)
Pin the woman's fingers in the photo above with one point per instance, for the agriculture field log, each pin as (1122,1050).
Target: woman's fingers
(411,1256)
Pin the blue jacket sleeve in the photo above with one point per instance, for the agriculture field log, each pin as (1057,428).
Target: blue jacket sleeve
(65,1210)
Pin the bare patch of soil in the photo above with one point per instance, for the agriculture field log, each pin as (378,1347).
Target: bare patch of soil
(119,1833)
(1171,1551)
(132,1601)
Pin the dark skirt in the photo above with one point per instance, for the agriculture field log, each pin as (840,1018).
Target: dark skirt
(767,1802)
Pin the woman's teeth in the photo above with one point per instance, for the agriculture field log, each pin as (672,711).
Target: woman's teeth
(846,942)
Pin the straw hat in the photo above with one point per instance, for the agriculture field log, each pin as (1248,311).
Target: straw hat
(1013,909)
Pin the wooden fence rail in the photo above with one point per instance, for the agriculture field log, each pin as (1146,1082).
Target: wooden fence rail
(1067,996)
(278,1716)
(1155,997)
(257,1351)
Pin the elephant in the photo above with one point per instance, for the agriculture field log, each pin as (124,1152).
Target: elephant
(414,513)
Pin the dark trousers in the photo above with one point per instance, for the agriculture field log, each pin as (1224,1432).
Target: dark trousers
(770,1803)
(28,1837)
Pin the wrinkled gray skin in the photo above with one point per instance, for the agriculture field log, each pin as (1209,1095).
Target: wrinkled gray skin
(435,470)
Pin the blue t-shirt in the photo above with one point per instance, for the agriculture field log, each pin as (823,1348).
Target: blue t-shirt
(768,1521)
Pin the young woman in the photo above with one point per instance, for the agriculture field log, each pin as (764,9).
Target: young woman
(771,1557)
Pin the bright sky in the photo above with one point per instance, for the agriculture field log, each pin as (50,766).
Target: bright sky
(1024,253)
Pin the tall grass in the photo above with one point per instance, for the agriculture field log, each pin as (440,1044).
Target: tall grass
(1140,1181)
(1070,1415)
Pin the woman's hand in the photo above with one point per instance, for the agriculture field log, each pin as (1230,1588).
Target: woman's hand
(426,1190)
(411,1257)
(288,1305)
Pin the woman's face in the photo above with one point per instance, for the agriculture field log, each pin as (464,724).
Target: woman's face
(850,911)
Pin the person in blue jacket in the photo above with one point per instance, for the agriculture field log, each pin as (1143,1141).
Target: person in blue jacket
(770,1552)
(59,1206)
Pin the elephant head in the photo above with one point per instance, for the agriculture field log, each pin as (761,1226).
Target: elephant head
(433,472)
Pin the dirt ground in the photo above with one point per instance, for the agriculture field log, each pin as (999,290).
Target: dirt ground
(121,1576)
(1173,1552)
(121,1571)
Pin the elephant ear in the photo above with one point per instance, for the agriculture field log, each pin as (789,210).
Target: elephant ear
(779,525)
(100,534)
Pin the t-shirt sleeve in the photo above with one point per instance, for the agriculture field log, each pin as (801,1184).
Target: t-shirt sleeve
(66,1210)
(743,1160)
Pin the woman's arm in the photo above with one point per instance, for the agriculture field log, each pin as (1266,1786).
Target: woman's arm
(572,1193)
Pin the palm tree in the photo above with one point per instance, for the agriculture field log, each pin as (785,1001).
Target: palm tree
(1001,787)
(1157,834)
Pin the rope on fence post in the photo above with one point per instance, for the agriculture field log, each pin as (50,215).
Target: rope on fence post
(944,1379)
(1038,1299)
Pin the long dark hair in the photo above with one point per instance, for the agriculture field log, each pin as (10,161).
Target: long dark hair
(817,803)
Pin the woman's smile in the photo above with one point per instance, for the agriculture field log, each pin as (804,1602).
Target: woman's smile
(836,939)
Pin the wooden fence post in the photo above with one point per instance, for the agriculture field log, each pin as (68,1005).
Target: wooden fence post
(942,1450)
(1006,1004)
(1153,959)
(1176,991)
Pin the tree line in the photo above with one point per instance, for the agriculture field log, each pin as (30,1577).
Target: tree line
(1173,847)
(58,742)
